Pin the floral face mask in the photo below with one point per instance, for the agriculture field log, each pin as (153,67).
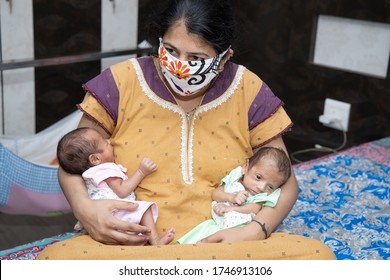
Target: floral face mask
(187,77)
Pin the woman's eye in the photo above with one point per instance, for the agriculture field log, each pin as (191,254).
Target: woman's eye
(196,58)
(171,51)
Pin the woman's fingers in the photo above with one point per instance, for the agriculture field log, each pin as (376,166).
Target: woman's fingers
(130,238)
(214,238)
(111,230)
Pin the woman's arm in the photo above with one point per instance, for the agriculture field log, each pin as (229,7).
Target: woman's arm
(96,216)
(271,217)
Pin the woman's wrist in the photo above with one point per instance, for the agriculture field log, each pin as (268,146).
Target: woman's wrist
(81,205)
(263,229)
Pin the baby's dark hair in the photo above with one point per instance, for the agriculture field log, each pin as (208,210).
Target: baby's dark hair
(281,158)
(73,151)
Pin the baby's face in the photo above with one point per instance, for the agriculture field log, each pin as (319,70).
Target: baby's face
(263,177)
(105,147)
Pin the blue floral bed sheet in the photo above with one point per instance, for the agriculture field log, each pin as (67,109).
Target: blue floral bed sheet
(343,201)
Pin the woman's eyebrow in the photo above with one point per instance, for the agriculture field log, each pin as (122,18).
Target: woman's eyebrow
(169,45)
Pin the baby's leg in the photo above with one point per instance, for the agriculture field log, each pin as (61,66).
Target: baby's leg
(155,239)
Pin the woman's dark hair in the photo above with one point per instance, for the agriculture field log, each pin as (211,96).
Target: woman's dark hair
(73,151)
(211,19)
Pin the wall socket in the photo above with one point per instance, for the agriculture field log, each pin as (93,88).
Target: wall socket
(336,114)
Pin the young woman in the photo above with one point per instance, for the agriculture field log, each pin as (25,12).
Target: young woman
(197,115)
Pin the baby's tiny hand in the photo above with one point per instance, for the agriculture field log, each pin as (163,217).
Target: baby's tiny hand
(240,197)
(147,166)
(220,209)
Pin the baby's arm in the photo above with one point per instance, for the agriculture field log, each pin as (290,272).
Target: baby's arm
(236,198)
(221,208)
(123,188)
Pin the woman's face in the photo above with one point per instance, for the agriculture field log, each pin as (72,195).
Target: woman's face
(186,46)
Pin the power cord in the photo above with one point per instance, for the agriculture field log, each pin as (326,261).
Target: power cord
(320,148)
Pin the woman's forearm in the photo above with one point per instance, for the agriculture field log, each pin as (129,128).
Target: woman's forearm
(73,187)
(273,216)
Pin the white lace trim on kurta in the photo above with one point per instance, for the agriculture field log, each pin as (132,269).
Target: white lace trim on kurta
(187,128)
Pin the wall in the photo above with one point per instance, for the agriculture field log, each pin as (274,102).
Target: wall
(17,98)
(63,28)
(33,99)
(275,42)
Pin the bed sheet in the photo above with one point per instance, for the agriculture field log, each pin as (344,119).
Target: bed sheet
(343,201)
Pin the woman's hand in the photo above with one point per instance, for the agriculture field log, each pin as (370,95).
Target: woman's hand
(102,226)
(247,233)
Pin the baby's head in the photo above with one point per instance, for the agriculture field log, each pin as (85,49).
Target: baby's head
(268,169)
(83,148)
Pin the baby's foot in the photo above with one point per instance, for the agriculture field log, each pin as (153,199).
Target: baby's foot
(167,238)
(78,226)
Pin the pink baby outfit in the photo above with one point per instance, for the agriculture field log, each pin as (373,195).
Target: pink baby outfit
(98,189)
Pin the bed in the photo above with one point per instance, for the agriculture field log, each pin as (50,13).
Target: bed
(344,201)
